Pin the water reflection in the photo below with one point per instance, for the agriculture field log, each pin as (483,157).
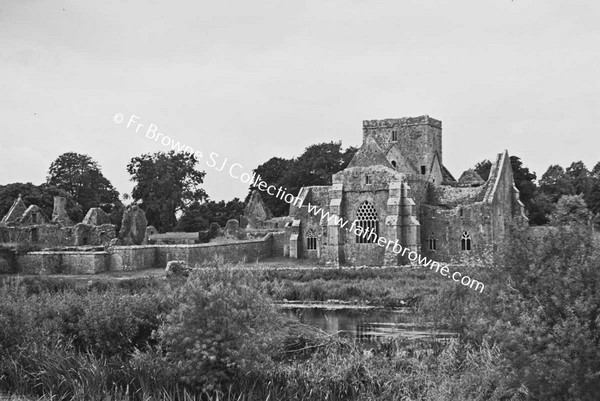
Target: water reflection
(365,325)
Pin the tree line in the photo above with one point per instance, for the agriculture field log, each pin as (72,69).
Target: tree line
(168,187)
(576,183)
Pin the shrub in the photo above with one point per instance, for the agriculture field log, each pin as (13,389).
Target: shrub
(222,327)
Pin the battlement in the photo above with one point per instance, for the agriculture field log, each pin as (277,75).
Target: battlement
(402,122)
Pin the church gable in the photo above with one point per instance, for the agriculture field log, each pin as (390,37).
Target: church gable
(369,154)
(500,188)
(399,161)
(436,174)
(447,176)
(16,212)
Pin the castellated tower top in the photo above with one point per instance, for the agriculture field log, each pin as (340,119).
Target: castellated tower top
(402,122)
(419,139)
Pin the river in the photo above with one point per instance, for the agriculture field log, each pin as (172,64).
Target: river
(364,324)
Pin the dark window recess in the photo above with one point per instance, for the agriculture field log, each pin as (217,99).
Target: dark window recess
(395,136)
(432,243)
(394,164)
(311,240)
(367,179)
(465,241)
(423,170)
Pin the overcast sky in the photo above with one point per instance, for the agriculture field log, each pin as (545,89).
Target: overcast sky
(250,80)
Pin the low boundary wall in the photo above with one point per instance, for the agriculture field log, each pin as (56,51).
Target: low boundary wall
(232,252)
(62,262)
(129,258)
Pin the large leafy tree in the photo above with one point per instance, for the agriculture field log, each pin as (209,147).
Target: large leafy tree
(571,209)
(198,216)
(273,172)
(483,168)
(556,182)
(166,184)
(580,177)
(81,177)
(314,167)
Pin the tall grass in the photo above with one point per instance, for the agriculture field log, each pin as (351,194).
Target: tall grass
(160,340)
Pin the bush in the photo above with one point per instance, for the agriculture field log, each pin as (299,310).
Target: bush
(223,327)
(541,307)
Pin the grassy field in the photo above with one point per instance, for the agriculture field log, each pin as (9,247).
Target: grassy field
(292,281)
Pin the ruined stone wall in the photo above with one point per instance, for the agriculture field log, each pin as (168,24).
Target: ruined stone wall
(310,221)
(8,263)
(502,194)
(356,191)
(54,235)
(419,191)
(279,243)
(54,262)
(139,257)
(128,258)
(233,252)
(447,226)
(46,235)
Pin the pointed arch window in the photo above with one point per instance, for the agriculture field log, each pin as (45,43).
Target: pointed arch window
(395,164)
(432,242)
(311,239)
(366,219)
(465,241)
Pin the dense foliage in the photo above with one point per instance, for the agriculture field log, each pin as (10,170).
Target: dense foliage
(314,167)
(533,333)
(81,177)
(40,195)
(198,216)
(541,199)
(166,184)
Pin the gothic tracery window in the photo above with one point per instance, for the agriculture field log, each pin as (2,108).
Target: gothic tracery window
(367,221)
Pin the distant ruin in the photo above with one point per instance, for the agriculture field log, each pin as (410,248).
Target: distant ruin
(396,187)
(29,226)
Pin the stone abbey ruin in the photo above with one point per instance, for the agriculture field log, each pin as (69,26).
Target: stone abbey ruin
(396,187)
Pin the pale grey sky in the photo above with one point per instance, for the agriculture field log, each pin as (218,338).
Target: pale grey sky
(250,80)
